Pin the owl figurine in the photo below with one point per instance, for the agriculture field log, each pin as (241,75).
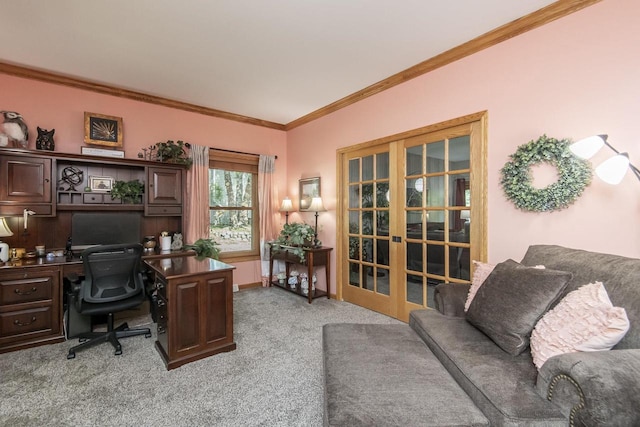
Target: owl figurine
(13,129)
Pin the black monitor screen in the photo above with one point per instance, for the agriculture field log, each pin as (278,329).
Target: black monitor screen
(90,229)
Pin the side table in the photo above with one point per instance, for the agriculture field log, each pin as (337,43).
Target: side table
(313,257)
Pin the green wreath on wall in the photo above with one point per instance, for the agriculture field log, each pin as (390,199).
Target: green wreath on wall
(574,175)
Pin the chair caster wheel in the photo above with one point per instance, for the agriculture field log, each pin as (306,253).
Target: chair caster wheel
(118,352)
(71,356)
(147,335)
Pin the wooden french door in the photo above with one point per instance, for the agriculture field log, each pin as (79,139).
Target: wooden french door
(407,205)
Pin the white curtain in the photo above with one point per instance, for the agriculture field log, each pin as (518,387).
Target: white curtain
(197,207)
(268,205)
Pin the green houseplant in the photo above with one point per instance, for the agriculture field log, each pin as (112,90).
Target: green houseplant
(173,152)
(205,248)
(295,237)
(127,191)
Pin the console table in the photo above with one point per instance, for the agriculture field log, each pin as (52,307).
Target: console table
(194,308)
(313,257)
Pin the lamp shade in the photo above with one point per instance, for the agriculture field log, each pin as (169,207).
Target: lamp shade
(316,205)
(5,231)
(613,170)
(286,206)
(586,148)
(465,214)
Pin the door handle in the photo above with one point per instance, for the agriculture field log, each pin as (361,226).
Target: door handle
(396,239)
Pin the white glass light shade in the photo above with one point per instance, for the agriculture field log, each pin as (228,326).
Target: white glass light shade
(586,148)
(465,214)
(316,205)
(5,231)
(613,170)
(287,206)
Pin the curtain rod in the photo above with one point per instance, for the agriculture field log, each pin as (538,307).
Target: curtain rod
(237,152)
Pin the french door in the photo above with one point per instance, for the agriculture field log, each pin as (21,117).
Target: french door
(407,205)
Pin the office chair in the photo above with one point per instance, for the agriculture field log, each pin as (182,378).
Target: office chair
(113,282)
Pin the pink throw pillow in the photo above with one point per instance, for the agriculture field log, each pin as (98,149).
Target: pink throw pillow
(480,273)
(584,320)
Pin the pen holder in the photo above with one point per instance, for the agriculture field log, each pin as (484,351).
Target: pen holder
(165,243)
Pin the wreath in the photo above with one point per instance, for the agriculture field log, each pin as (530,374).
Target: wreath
(574,175)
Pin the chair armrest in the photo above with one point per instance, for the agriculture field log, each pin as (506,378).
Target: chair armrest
(449,298)
(594,388)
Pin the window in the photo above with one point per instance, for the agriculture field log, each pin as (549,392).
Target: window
(233,203)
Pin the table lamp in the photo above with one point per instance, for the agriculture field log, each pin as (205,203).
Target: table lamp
(4,232)
(286,207)
(316,206)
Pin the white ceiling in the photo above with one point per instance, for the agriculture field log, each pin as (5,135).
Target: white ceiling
(274,60)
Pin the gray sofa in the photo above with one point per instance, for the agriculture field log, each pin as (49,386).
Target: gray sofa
(584,389)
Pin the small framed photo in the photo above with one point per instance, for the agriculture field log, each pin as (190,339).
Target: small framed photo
(309,188)
(102,130)
(100,183)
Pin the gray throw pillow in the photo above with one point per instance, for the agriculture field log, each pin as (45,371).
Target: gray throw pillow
(511,301)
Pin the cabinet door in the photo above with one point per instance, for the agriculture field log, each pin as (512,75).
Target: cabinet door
(165,186)
(25,179)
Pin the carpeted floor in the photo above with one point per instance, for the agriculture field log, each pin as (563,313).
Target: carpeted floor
(274,378)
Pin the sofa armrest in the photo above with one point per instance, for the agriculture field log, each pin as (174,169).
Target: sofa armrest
(594,388)
(449,298)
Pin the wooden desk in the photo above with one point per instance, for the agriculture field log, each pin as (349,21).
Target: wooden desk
(195,308)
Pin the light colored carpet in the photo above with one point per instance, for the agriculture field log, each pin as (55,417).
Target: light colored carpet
(273,378)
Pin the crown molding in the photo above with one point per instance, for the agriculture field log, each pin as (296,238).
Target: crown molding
(526,23)
(59,79)
(529,22)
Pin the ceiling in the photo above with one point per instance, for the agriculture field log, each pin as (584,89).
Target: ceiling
(273,60)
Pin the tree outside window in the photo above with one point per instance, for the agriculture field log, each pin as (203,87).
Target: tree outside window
(233,213)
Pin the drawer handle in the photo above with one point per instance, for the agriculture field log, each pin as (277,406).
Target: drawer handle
(19,323)
(161,329)
(19,292)
(161,303)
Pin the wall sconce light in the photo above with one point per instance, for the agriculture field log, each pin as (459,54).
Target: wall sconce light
(5,231)
(286,207)
(611,170)
(316,206)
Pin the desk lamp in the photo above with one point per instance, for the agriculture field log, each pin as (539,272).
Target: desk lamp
(316,206)
(286,207)
(5,231)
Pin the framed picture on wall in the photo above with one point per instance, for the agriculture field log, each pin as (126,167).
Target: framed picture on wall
(309,188)
(102,130)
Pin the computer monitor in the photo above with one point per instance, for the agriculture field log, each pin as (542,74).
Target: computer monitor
(93,228)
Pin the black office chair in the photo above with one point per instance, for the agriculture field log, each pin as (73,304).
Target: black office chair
(113,282)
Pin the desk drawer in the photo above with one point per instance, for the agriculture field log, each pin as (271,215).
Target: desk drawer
(16,323)
(26,290)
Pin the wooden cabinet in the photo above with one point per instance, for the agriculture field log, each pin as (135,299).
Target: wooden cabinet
(30,307)
(313,257)
(164,195)
(26,183)
(194,308)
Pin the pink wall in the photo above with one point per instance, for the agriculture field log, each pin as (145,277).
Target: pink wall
(51,106)
(572,78)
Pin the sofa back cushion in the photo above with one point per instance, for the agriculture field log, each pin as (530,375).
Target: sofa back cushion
(620,276)
(511,301)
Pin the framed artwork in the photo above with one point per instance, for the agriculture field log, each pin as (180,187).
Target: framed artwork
(100,183)
(102,130)
(309,188)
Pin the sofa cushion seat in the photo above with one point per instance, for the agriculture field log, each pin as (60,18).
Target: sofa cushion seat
(384,375)
(501,385)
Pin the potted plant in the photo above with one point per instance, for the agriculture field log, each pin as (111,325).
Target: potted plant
(205,248)
(295,237)
(173,152)
(127,191)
